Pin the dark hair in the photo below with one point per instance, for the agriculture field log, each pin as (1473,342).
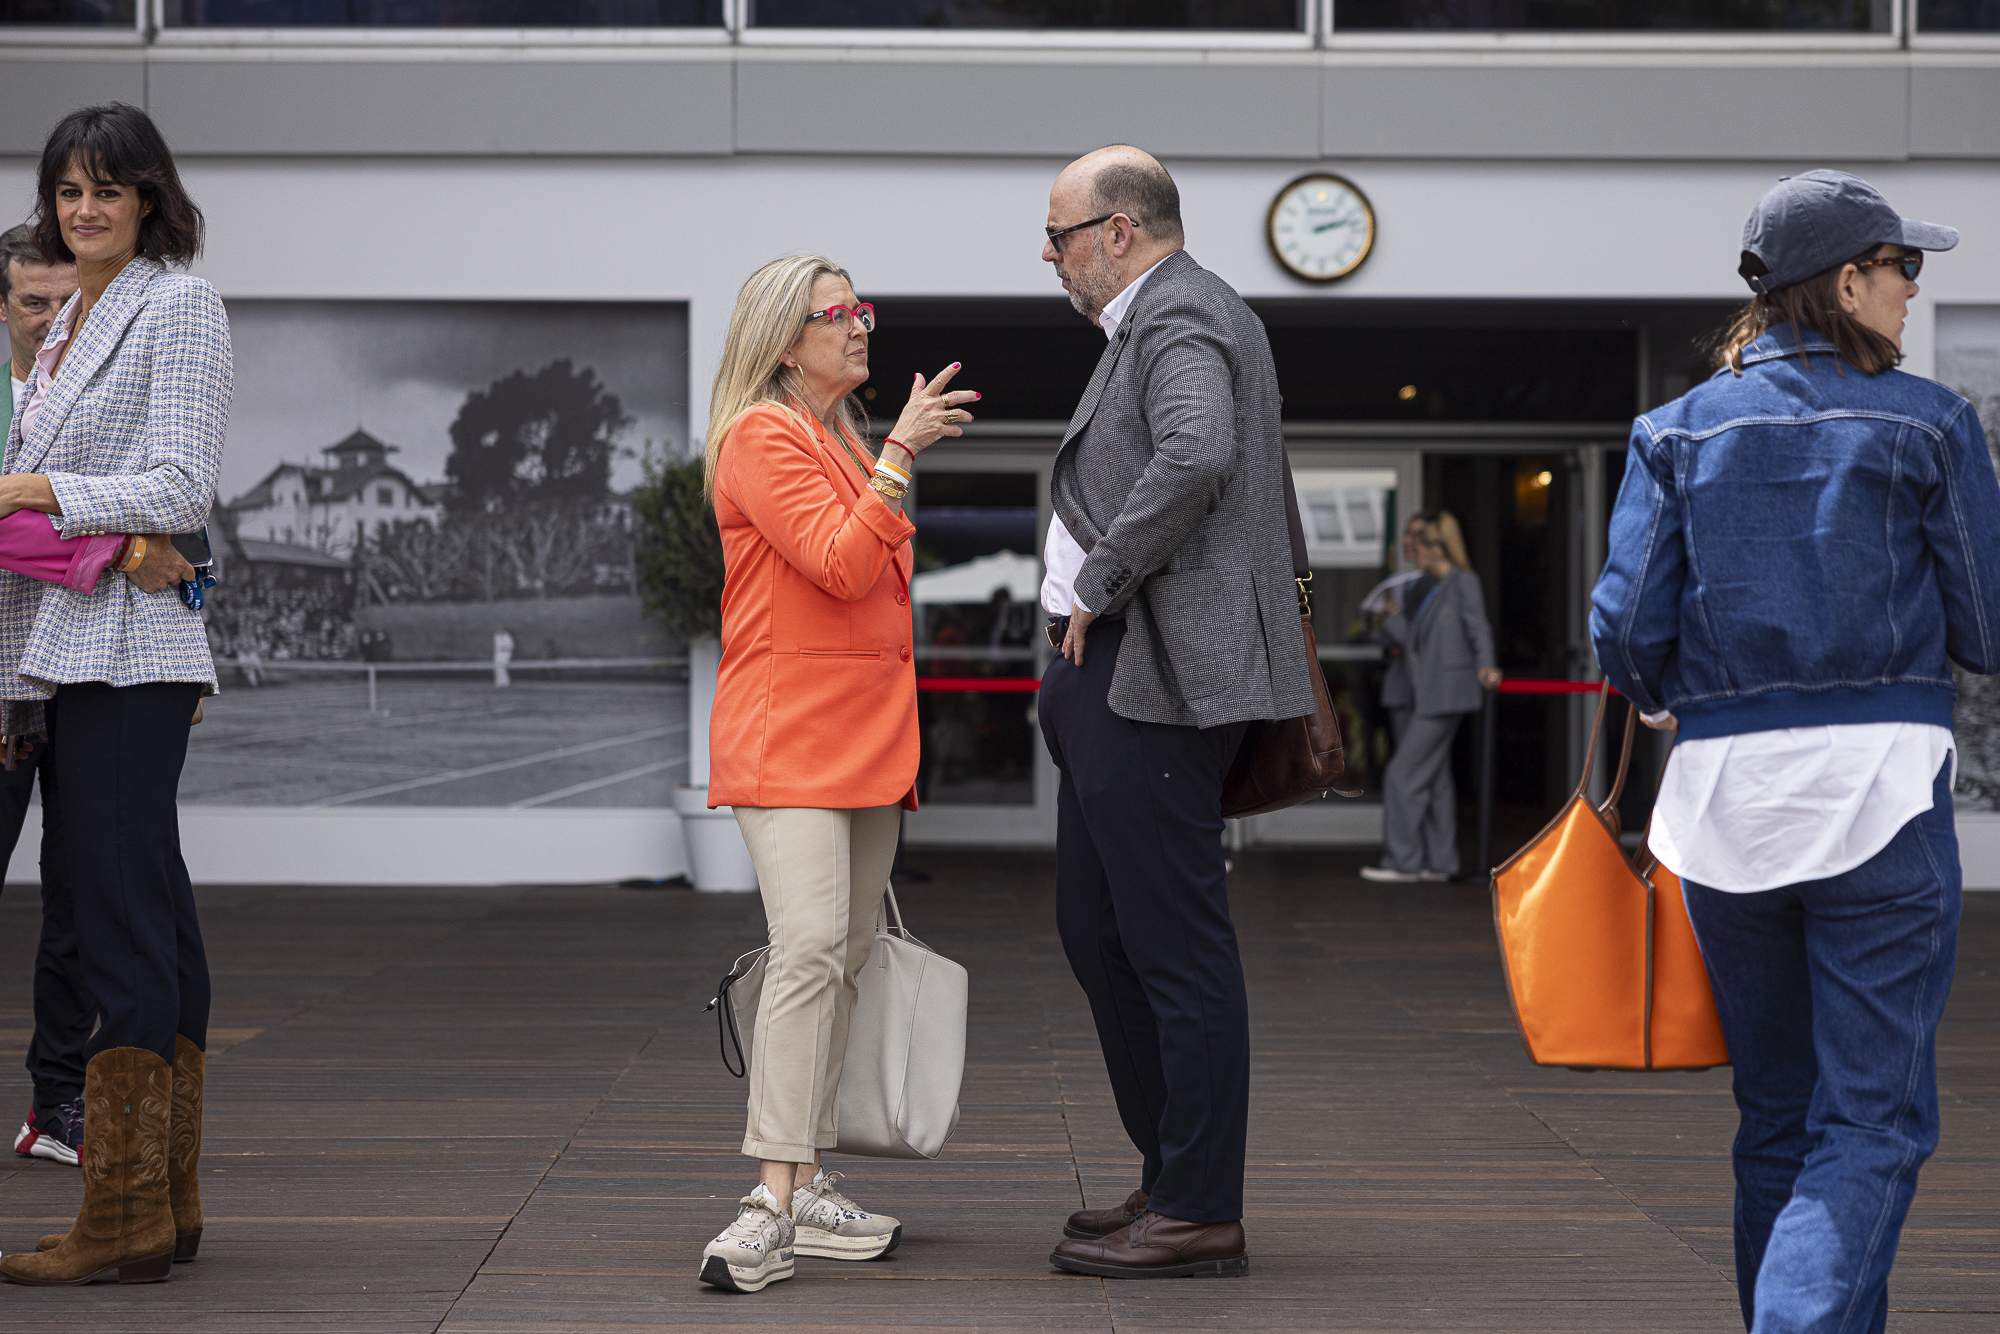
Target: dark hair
(16,243)
(1143,192)
(1810,304)
(118,144)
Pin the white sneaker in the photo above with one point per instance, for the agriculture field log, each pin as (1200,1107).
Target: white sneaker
(753,1251)
(833,1227)
(1440,877)
(1389,875)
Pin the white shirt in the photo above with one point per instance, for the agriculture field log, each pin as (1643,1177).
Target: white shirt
(1061,555)
(20,389)
(1765,809)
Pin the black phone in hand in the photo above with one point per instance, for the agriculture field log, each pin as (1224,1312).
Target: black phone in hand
(194,548)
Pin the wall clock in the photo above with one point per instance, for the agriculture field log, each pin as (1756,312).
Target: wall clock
(1321,227)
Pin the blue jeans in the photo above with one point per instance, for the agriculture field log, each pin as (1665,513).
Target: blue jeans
(1830,994)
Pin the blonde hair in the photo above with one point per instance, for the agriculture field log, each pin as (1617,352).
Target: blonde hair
(771,310)
(1441,527)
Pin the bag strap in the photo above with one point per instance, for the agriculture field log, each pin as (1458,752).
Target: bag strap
(724,1005)
(1302,574)
(1596,732)
(1647,863)
(1610,803)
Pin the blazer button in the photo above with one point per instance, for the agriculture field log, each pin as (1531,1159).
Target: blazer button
(902,600)
(904,653)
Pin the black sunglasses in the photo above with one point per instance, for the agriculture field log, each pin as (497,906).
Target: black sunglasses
(1056,234)
(1911,265)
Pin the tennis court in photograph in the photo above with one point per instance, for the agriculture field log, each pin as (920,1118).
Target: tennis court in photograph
(559,734)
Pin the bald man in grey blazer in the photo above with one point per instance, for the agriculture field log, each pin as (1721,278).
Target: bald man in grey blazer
(1171,596)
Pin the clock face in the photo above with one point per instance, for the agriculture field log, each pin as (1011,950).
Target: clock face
(1321,227)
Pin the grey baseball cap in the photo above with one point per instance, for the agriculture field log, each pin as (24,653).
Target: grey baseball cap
(1807,224)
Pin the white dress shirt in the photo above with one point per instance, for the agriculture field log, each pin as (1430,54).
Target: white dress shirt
(1766,809)
(1062,557)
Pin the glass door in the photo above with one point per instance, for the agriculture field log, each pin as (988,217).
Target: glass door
(985,776)
(1353,506)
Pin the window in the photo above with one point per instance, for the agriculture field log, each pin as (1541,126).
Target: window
(1064,15)
(69,13)
(1817,16)
(443,13)
(385,496)
(1958,15)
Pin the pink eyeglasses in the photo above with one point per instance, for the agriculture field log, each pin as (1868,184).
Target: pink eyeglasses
(838,316)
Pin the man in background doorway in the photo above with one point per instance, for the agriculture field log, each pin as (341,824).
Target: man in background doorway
(32,293)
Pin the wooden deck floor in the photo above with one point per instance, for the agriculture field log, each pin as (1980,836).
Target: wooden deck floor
(503,1111)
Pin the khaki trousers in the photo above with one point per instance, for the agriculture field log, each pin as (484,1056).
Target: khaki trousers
(822,873)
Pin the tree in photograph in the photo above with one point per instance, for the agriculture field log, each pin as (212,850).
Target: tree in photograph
(413,560)
(547,436)
(551,548)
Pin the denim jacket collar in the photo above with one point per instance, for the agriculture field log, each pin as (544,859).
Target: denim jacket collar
(1785,340)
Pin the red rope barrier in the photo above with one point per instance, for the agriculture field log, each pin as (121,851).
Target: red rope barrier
(1535,686)
(1028,685)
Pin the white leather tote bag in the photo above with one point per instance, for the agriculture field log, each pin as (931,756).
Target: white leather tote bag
(905,1043)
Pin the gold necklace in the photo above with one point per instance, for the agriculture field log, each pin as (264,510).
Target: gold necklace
(841,436)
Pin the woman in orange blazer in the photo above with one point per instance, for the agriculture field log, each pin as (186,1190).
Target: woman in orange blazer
(813,739)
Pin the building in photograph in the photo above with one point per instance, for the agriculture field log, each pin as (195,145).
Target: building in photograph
(336,507)
(1482,238)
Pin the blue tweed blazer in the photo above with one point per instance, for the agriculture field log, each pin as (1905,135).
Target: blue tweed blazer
(131,442)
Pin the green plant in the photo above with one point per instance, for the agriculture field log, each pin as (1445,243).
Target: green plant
(679,549)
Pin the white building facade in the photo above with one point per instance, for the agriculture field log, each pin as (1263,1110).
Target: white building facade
(1553,182)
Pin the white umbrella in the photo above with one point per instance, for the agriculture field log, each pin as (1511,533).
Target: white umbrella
(977,580)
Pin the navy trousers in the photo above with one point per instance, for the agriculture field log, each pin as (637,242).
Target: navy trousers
(111,796)
(1142,906)
(64,1012)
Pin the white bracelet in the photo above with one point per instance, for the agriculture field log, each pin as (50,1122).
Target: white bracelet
(884,468)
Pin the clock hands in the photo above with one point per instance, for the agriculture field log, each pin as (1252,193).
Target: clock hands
(1346,217)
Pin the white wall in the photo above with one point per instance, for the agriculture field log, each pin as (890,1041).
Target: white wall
(409,845)
(692,229)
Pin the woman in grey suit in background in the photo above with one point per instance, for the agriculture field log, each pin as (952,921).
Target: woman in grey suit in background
(1437,628)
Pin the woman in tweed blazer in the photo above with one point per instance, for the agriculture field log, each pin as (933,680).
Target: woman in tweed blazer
(121,430)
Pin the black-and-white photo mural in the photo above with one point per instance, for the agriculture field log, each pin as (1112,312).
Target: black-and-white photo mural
(425,537)
(1968,359)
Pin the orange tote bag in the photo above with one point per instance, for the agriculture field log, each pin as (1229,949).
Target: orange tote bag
(1601,962)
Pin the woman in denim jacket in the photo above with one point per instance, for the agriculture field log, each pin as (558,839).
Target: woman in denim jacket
(1802,546)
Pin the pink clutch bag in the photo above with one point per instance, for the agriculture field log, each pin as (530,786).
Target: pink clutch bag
(30,545)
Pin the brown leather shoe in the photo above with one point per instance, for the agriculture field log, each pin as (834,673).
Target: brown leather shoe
(1090,1224)
(1155,1246)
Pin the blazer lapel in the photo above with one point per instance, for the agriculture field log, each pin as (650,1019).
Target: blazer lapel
(1086,406)
(1421,629)
(88,352)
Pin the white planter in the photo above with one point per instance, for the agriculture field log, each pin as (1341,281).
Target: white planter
(718,860)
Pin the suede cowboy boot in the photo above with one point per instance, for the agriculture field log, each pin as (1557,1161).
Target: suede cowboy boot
(183,1154)
(184,1148)
(125,1230)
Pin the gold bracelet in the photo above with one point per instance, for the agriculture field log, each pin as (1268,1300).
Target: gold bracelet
(887,487)
(136,557)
